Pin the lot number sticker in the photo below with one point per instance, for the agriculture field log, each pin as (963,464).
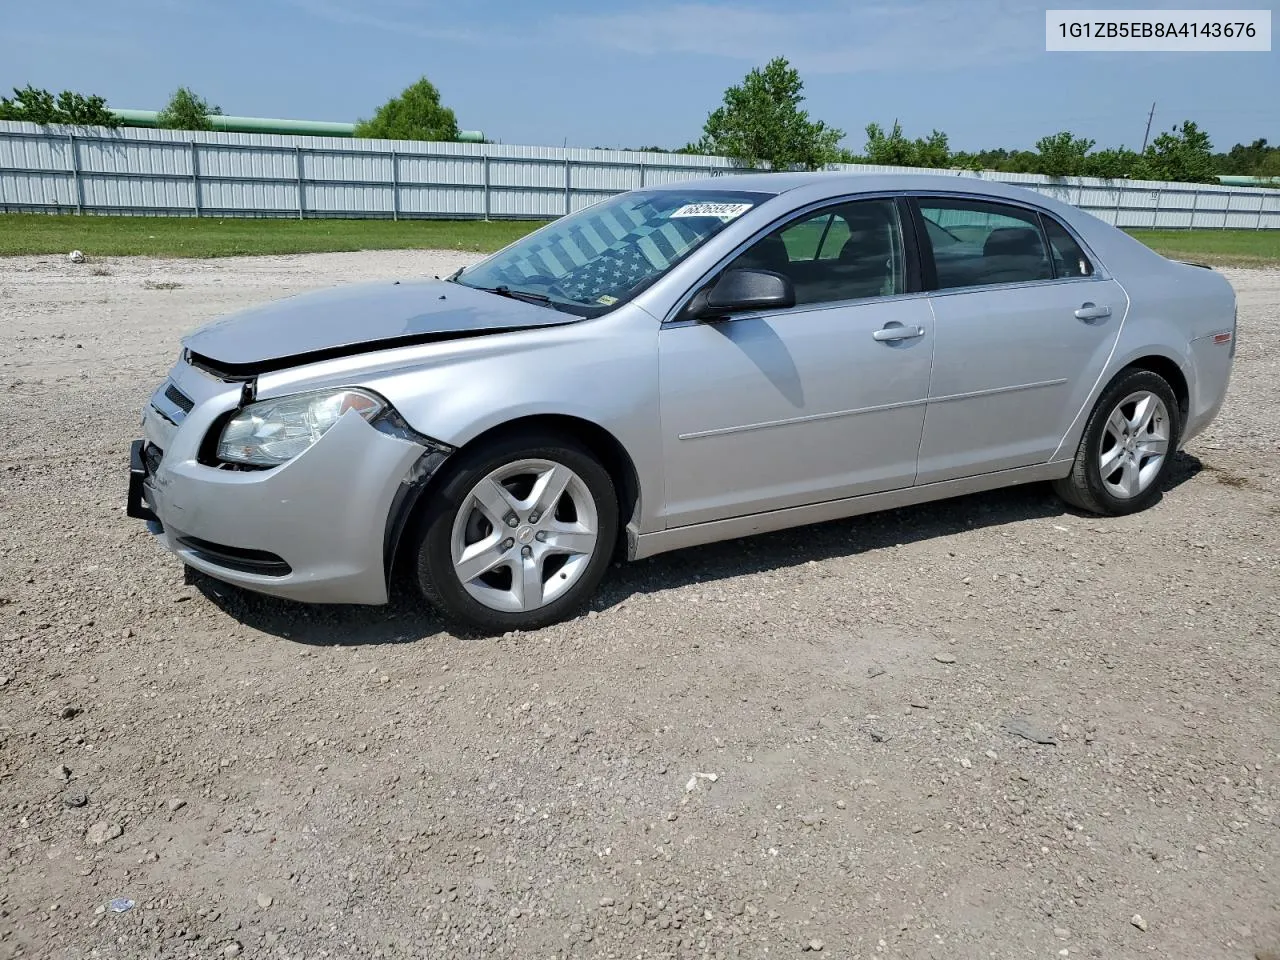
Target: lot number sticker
(725,211)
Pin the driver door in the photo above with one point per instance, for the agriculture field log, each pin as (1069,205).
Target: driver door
(824,400)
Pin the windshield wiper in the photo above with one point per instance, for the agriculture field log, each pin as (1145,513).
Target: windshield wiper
(528,296)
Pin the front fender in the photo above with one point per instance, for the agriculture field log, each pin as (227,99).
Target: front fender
(604,372)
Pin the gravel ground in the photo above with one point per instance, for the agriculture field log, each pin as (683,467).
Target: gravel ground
(819,740)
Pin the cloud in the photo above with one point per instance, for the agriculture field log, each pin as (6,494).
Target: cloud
(849,38)
(391,16)
(841,38)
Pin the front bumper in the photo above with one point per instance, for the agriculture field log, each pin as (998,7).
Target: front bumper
(314,529)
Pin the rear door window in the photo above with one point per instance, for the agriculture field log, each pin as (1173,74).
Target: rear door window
(977,243)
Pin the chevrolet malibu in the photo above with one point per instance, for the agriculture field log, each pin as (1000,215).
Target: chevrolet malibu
(674,366)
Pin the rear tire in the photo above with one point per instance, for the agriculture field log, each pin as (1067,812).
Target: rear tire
(1128,443)
(519,535)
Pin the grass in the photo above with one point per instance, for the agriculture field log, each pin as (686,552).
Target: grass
(36,233)
(1219,248)
(207,237)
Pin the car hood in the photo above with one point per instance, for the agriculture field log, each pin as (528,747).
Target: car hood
(357,318)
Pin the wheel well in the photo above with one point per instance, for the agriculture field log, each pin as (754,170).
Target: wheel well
(599,441)
(1166,368)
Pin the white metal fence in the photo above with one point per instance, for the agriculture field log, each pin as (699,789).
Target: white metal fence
(141,172)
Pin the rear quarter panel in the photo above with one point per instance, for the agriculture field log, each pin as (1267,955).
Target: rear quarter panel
(1172,306)
(1181,308)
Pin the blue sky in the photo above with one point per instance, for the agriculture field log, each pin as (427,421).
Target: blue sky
(629,74)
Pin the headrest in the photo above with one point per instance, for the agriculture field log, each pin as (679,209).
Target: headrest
(1013,241)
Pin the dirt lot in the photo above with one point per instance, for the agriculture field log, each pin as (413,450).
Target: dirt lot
(267,780)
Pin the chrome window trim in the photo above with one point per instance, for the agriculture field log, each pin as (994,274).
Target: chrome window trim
(1016,285)
(1100,272)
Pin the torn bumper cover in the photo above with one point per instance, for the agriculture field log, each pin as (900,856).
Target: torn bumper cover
(307,530)
(136,503)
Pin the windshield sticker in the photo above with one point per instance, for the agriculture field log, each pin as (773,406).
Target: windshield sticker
(607,300)
(724,211)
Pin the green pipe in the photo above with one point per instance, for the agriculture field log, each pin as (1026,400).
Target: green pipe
(313,128)
(1233,180)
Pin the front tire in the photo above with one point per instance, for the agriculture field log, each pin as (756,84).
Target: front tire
(1128,443)
(519,535)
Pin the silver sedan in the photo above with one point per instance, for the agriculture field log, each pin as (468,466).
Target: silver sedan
(674,366)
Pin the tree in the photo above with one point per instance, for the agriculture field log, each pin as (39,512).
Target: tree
(894,149)
(1184,154)
(1269,167)
(40,106)
(1251,161)
(417,114)
(187,110)
(1062,154)
(761,123)
(1111,164)
(933,150)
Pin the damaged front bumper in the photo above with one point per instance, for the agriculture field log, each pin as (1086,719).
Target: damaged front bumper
(322,528)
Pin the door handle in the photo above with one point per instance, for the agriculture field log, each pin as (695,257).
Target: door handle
(899,332)
(1089,311)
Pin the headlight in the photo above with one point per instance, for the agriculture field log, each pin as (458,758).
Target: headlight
(272,432)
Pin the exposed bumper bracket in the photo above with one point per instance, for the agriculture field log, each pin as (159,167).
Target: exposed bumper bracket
(136,504)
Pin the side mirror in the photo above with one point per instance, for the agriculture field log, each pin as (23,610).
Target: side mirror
(739,290)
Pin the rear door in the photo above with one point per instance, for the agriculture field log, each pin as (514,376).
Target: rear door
(1024,325)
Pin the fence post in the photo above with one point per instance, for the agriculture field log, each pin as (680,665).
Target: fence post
(640,165)
(1226,213)
(1115,221)
(1155,211)
(75,173)
(1262,202)
(488,203)
(195,178)
(1195,202)
(395,185)
(568,185)
(297,167)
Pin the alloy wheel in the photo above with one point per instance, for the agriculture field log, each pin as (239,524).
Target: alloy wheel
(524,535)
(1135,442)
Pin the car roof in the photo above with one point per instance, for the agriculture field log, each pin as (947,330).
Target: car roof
(802,189)
(838,183)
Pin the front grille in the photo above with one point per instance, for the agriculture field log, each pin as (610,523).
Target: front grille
(171,403)
(178,398)
(237,558)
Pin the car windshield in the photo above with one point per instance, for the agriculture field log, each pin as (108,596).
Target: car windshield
(591,261)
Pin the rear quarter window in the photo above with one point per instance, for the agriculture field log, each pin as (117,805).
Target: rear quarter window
(1068,259)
